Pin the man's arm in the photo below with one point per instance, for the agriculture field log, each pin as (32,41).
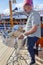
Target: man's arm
(31,31)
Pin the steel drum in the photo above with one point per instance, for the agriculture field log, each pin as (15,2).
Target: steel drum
(11,38)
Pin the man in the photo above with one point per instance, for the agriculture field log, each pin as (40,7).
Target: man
(33,28)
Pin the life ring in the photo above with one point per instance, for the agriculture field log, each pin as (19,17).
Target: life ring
(40,41)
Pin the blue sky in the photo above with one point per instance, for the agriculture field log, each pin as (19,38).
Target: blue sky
(4,4)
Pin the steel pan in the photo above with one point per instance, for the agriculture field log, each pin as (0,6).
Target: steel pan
(10,39)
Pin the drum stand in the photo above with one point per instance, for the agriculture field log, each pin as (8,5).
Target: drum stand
(16,58)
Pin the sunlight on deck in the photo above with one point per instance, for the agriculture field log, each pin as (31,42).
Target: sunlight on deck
(5,52)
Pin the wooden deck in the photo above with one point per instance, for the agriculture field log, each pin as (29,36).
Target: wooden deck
(5,53)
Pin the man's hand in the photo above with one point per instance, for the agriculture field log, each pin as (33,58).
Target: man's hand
(21,36)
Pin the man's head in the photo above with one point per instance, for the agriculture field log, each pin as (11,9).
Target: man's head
(28,5)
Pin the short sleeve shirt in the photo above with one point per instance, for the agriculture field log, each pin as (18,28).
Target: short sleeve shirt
(34,19)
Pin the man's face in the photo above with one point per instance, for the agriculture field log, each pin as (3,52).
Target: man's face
(27,8)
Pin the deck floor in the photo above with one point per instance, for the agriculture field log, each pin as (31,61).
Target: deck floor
(5,53)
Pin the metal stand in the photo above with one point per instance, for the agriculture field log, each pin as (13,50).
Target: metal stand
(16,58)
